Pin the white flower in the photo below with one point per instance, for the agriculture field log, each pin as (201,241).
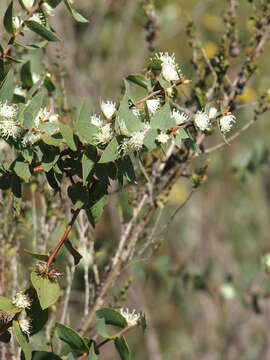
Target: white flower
(21,300)
(202,120)
(25,326)
(35,77)
(16,22)
(30,138)
(104,135)
(134,143)
(153,105)
(169,68)
(37,18)
(108,108)
(212,112)
(19,91)
(226,123)
(96,120)
(179,117)
(132,318)
(7,111)
(163,138)
(227,291)
(48,9)
(9,128)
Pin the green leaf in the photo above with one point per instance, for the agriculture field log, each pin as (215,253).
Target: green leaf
(7,88)
(85,129)
(126,168)
(42,31)
(150,139)
(38,316)
(54,140)
(111,152)
(92,355)
(72,338)
(6,305)
(44,355)
(8,22)
(78,194)
(190,144)
(112,317)
(143,322)
(21,340)
(122,348)
(97,200)
(162,119)
(54,3)
(42,257)
(101,328)
(48,292)
(78,17)
(32,110)
(50,157)
(26,75)
(89,159)
(138,80)
(68,135)
(125,114)
(22,170)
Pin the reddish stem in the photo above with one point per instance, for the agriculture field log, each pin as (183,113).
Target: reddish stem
(63,239)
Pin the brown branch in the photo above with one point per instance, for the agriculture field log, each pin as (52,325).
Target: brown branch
(64,238)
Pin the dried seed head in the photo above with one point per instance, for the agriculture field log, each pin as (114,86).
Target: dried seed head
(52,273)
(5,318)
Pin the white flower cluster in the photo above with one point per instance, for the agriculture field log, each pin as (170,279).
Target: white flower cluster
(179,117)
(25,326)
(163,138)
(8,124)
(133,143)
(153,106)
(226,123)
(21,300)
(108,108)
(132,317)
(48,9)
(203,119)
(169,68)
(105,133)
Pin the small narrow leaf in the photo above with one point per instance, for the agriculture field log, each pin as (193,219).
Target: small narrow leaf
(68,135)
(88,161)
(42,257)
(48,291)
(7,88)
(72,338)
(138,80)
(122,348)
(44,355)
(42,31)
(78,17)
(8,18)
(21,340)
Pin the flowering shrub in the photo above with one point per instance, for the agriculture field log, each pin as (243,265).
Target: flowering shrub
(141,143)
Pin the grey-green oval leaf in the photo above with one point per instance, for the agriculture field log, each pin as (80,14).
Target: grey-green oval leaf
(72,338)
(42,31)
(8,19)
(21,340)
(48,291)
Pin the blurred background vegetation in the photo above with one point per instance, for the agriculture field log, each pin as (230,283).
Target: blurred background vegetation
(223,231)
